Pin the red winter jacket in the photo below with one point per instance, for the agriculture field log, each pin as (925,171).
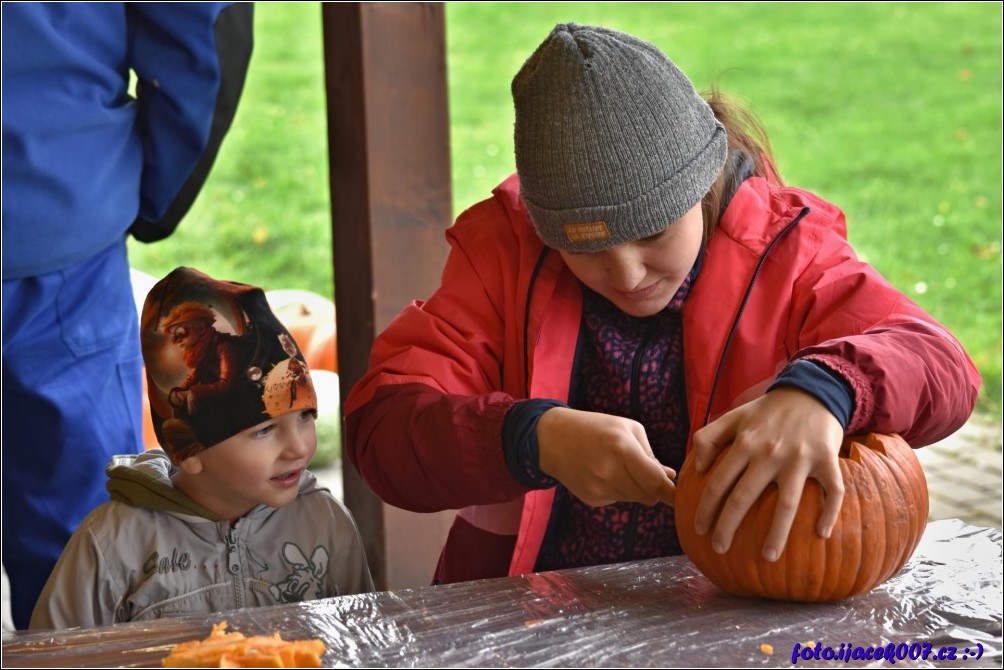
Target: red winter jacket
(779,282)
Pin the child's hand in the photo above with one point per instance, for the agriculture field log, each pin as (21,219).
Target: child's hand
(785,436)
(602,459)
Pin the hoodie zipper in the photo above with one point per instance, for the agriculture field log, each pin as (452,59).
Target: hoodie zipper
(234,566)
(742,308)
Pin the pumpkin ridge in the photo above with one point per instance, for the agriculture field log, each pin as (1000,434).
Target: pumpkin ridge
(873,527)
(833,550)
(830,568)
(771,575)
(908,459)
(898,521)
(737,581)
(907,513)
(902,462)
(816,546)
(848,552)
(850,523)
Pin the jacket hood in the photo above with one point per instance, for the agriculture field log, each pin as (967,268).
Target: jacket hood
(144,480)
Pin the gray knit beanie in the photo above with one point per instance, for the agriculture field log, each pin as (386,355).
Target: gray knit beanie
(612,142)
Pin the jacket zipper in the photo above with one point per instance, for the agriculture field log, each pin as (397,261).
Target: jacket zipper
(742,308)
(234,566)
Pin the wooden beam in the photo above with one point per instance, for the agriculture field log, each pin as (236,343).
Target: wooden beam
(388,151)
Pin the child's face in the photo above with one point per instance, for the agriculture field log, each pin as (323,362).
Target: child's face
(261,464)
(641,277)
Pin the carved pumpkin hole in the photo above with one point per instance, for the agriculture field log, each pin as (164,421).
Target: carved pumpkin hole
(849,450)
(872,442)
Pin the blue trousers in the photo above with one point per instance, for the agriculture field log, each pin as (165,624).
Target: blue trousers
(71,399)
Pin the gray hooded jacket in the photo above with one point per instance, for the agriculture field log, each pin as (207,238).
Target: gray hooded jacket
(153,552)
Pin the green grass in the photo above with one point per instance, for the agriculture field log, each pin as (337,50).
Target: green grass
(263,217)
(892,111)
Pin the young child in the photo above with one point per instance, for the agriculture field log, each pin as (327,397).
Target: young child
(227,515)
(644,288)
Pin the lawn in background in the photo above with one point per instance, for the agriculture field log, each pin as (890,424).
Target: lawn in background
(892,111)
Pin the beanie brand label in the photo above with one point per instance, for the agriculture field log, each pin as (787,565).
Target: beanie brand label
(587,232)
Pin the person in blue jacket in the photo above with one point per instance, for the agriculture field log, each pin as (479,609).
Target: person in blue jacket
(84,165)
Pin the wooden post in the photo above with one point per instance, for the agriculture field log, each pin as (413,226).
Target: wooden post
(388,150)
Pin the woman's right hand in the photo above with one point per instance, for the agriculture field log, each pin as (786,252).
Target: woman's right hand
(602,459)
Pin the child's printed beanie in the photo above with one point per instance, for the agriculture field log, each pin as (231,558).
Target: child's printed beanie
(217,361)
(612,142)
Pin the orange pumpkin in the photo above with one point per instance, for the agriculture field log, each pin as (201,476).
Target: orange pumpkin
(321,350)
(882,518)
(310,319)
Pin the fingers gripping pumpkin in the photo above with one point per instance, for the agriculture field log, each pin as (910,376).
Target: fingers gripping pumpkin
(882,518)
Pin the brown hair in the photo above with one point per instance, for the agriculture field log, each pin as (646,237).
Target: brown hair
(746,134)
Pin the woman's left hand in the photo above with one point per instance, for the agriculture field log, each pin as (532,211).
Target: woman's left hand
(785,437)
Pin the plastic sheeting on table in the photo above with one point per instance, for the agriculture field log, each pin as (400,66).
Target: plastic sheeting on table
(658,612)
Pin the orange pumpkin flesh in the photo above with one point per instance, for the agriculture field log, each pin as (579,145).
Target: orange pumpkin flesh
(882,518)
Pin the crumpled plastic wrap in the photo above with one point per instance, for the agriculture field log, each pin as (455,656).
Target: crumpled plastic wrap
(659,612)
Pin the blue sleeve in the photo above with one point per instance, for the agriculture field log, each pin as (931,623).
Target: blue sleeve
(519,441)
(827,386)
(191,61)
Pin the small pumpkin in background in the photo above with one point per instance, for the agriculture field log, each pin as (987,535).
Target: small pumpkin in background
(310,319)
(881,521)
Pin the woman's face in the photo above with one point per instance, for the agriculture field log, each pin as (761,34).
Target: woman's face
(641,277)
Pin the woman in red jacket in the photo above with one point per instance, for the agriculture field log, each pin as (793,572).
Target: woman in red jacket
(644,287)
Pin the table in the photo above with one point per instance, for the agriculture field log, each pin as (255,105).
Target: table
(659,612)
